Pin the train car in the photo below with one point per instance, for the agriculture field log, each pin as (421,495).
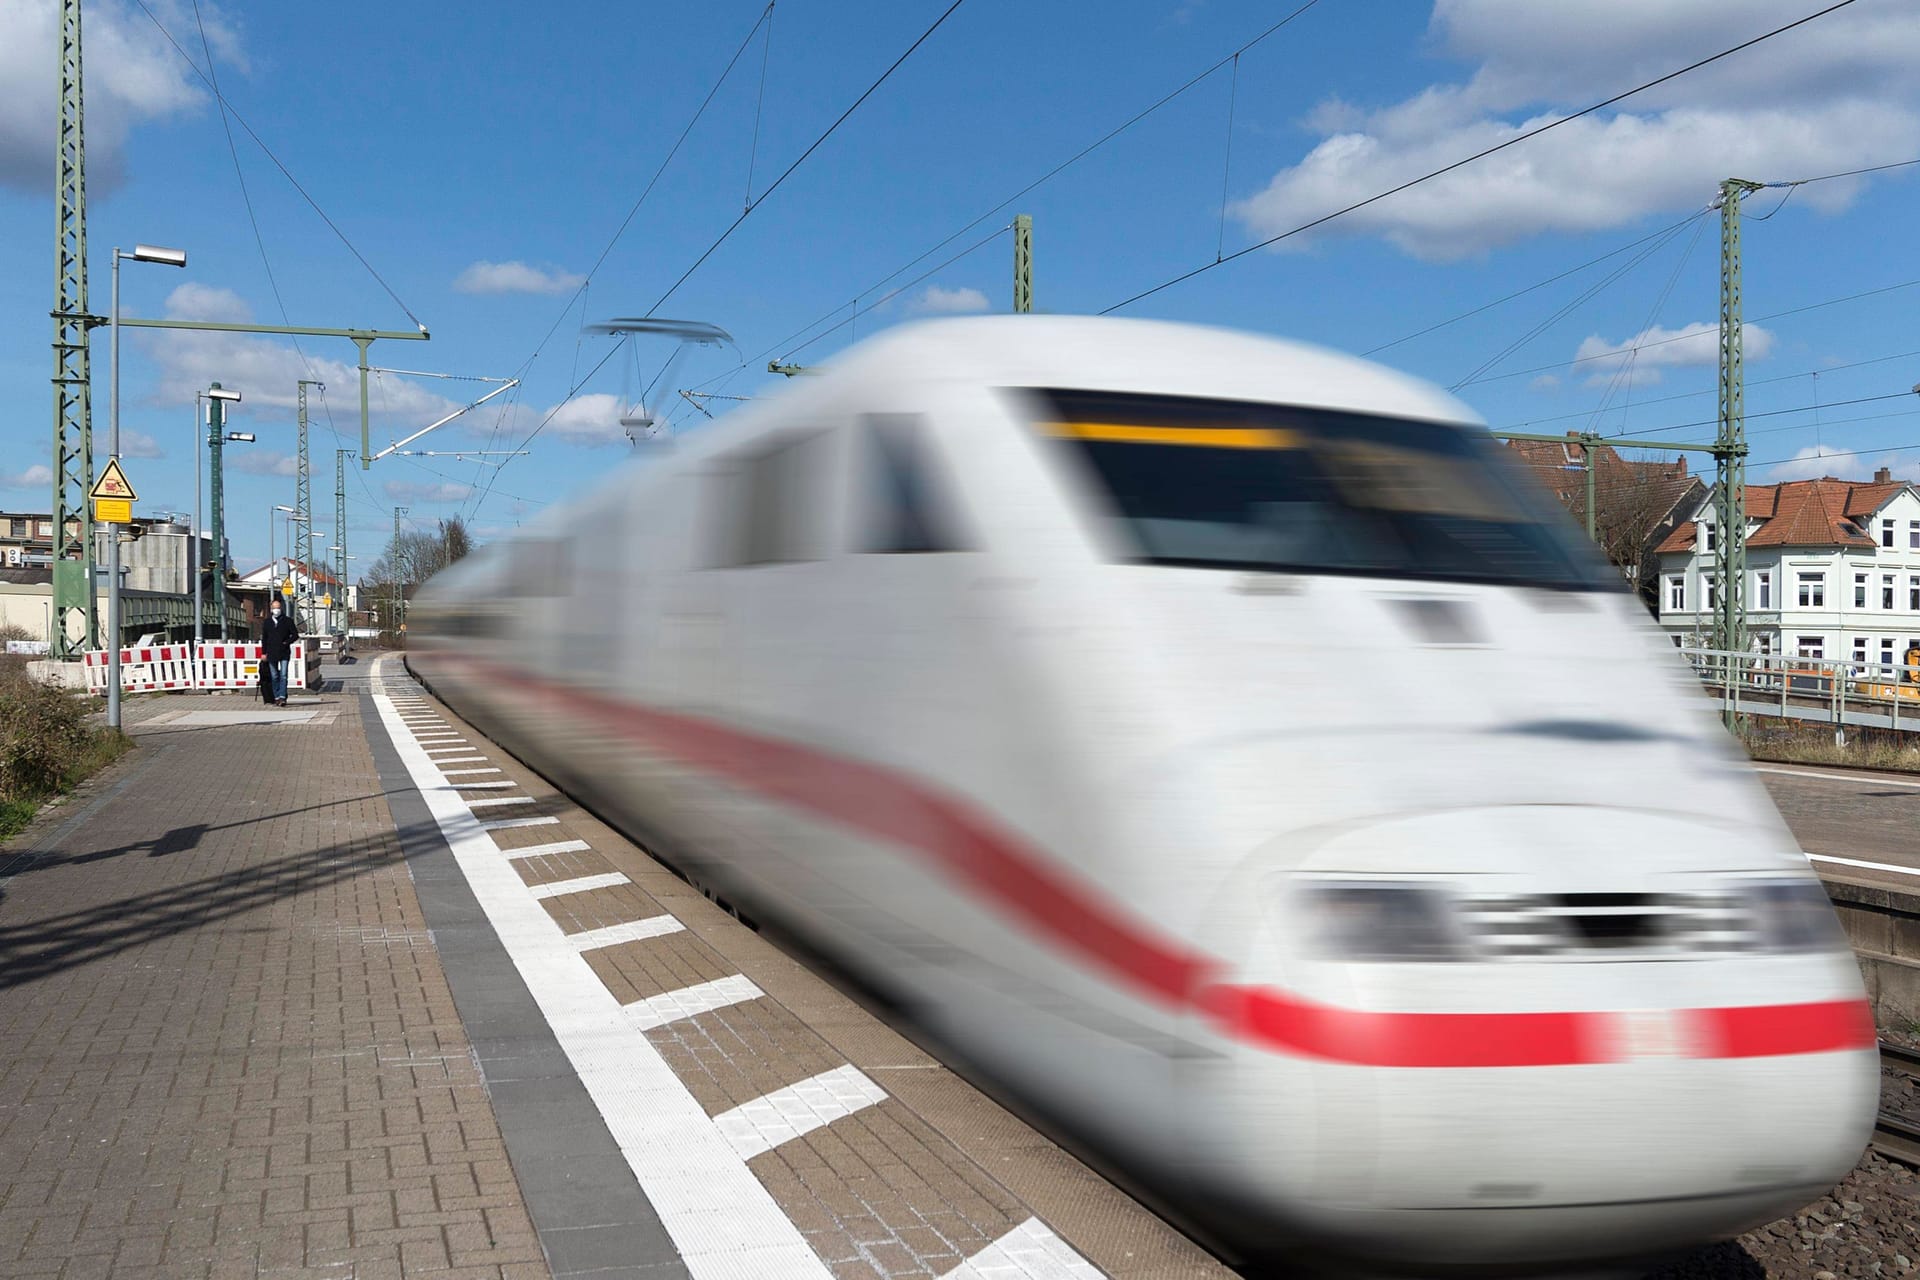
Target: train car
(1177,722)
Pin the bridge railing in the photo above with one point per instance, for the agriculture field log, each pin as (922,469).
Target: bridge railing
(1833,690)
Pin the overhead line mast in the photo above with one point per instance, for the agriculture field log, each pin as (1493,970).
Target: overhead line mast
(73,585)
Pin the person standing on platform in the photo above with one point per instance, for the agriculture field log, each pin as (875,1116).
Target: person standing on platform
(278,635)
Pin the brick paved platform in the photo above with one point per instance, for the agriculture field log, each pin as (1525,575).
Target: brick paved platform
(227,1046)
(345,990)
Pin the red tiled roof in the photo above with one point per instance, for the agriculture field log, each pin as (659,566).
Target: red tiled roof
(1803,513)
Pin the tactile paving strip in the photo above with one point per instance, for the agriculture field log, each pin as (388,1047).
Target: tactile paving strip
(873,1189)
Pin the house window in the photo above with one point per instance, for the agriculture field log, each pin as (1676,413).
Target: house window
(1811,646)
(1706,534)
(1676,593)
(1913,592)
(1763,589)
(1886,592)
(1764,643)
(1913,535)
(1886,650)
(1713,594)
(1860,650)
(1813,591)
(1859,590)
(1886,533)
(18,528)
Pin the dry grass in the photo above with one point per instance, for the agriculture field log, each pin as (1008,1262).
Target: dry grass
(46,746)
(1814,744)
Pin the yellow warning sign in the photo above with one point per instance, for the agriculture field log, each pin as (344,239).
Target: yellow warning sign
(113,483)
(112,511)
(286,588)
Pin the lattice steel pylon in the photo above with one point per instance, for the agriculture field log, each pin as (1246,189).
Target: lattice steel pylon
(73,589)
(303,505)
(342,600)
(1730,444)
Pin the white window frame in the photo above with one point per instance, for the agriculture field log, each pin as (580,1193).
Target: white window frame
(1711,590)
(1813,588)
(1888,585)
(1706,537)
(1886,533)
(1676,593)
(1816,643)
(1763,588)
(1913,593)
(1887,646)
(1913,535)
(1860,651)
(1859,590)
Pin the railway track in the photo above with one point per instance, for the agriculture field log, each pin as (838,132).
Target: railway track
(1897,1137)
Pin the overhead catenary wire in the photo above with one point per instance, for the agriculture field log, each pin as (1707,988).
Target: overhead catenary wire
(772,187)
(815,145)
(1482,154)
(286,172)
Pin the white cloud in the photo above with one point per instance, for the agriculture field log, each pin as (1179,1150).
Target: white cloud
(934,300)
(515,277)
(1546,382)
(1695,345)
(258,462)
(1836,94)
(133,76)
(138,444)
(590,420)
(266,370)
(37,476)
(1810,463)
(409,491)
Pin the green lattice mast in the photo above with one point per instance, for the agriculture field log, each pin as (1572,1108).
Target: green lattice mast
(73,592)
(1730,508)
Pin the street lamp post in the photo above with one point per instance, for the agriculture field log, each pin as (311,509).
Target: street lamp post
(219,439)
(212,395)
(165,257)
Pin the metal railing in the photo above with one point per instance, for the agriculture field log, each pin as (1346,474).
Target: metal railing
(1843,693)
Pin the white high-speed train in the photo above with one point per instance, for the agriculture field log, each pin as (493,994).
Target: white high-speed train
(1221,743)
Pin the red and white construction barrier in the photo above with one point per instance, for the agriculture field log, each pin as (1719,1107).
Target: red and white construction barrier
(221,664)
(144,668)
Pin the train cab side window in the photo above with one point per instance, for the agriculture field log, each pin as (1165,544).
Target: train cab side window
(540,567)
(772,508)
(906,509)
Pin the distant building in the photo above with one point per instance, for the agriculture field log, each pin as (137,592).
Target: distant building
(311,584)
(1833,569)
(1637,502)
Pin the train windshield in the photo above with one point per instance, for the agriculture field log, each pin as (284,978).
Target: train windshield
(1234,485)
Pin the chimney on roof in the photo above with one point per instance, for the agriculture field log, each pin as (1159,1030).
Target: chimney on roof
(1883,476)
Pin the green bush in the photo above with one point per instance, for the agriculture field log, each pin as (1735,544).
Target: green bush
(43,737)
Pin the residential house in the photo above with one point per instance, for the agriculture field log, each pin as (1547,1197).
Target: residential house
(1833,569)
(1637,502)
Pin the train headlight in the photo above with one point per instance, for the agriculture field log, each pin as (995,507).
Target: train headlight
(1793,915)
(1381,921)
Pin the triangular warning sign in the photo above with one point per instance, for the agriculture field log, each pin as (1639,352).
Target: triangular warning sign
(113,483)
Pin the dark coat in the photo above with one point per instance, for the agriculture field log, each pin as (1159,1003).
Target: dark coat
(277,637)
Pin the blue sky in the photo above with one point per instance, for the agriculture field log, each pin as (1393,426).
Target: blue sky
(482,155)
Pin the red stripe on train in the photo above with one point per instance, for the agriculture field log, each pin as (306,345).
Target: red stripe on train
(905,812)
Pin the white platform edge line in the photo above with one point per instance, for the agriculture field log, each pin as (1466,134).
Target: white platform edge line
(756,1127)
(682,1161)
(687,1002)
(542,850)
(1865,866)
(508,824)
(1031,1251)
(579,884)
(1865,779)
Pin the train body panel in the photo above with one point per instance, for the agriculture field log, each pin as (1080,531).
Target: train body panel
(950,661)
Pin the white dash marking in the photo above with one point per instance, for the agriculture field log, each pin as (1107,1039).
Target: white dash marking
(469,786)
(1867,866)
(451,773)
(579,884)
(1028,1252)
(507,824)
(497,803)
(671,1006)
(542,850)
(632,931)
(763,1124)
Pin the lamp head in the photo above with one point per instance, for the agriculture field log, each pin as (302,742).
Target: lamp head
(157,253)
(241,437)
(221,393)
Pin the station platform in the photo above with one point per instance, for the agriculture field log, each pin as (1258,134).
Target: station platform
(341,989)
